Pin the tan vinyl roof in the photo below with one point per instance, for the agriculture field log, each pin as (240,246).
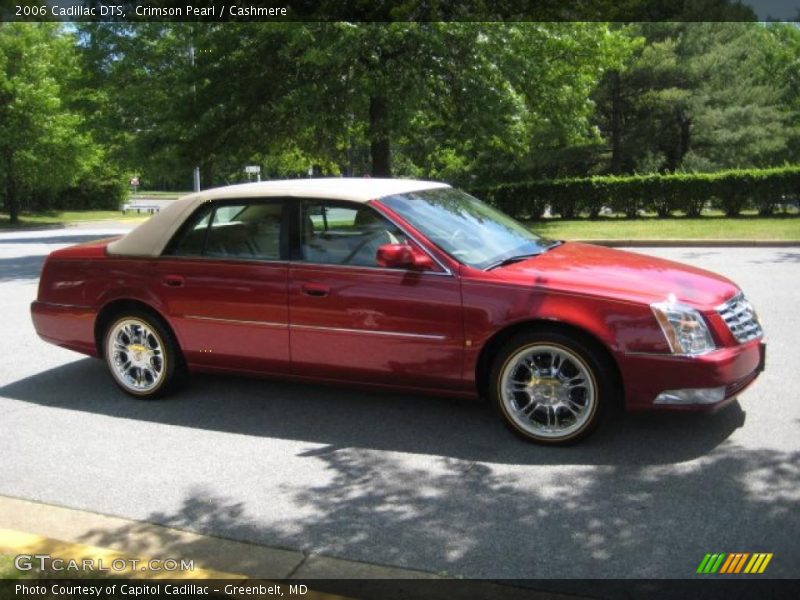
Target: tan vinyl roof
(151,237)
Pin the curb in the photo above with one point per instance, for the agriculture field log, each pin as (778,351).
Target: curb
(137,539)
(34,527)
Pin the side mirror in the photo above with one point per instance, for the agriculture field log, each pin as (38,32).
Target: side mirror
(402,256)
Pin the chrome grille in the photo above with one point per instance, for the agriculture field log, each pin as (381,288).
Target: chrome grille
(740,317)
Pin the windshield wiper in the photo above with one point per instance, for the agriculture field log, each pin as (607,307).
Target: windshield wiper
(510,260)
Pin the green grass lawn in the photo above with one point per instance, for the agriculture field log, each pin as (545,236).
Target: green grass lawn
(65,217)
(704,228)
(606,228)
(158,195)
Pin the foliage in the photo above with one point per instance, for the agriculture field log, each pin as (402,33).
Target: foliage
(85,107)
(703,97)
(44,148)
(663,194)
(345,98)
(707,227)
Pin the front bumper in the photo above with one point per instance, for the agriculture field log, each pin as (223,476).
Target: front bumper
(645,376)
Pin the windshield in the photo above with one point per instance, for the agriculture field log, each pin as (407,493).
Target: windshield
(470,231)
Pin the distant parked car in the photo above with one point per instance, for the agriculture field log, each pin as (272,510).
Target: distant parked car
(399,284)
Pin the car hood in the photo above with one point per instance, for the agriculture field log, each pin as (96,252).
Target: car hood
(629,276)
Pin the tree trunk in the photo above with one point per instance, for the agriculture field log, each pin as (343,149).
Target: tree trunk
(11,200)
(682,140)
(616,123)
(686,134)
(380,147)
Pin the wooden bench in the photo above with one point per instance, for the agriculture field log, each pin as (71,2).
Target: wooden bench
(149,208)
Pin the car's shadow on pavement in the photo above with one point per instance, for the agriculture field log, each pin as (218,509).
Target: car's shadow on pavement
(30,266)
(21,267)
(339,418)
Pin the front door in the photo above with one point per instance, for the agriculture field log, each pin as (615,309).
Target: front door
(353,320)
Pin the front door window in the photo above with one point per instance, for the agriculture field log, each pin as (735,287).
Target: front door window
(344,233)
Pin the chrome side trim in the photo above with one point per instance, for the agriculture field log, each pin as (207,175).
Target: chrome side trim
(237,321)
(669,355)
(234,259)
(304,263)
(419,336)
(61,305)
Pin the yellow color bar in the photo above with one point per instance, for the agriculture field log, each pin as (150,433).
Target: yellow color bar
(758,563)
(755,562)
(765,563)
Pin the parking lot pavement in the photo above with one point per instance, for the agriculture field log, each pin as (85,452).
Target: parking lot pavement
(411,481)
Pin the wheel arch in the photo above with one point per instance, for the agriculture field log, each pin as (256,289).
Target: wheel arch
(490,348)
(116,307)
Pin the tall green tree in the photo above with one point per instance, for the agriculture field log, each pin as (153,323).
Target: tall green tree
(699,96)
(42,147)
(450,100)
(140,88)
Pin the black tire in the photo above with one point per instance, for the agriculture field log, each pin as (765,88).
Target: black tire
(551,398)
(152,346)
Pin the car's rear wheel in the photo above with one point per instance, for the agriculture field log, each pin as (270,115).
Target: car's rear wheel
(550,387)
(142,355)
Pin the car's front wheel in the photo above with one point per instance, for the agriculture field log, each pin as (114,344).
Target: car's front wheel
(550,387)
(142,355)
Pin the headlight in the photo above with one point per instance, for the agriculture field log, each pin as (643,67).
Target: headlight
(684,327)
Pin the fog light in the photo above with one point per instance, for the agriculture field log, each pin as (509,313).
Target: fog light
(692,396)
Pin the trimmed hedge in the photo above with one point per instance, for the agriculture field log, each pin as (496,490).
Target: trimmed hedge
(93,194)
(664,194)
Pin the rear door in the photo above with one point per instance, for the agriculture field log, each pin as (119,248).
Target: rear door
(224,280)
(351,319)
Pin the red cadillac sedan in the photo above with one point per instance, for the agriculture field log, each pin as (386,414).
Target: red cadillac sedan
(399,284)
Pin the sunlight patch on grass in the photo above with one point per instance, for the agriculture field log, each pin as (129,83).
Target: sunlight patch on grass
(704,228)
(70,216)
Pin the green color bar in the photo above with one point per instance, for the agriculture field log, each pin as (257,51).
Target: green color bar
(711,562)
(702,566)
(718,564)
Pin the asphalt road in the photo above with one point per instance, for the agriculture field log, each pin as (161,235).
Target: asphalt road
(412,481)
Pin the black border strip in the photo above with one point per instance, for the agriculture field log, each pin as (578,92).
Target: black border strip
(399,10)
(707,587)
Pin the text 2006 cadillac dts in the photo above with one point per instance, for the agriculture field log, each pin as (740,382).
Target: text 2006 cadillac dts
(399,284)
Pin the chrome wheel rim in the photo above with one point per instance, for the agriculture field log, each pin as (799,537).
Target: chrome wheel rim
(548,391)
(136,355)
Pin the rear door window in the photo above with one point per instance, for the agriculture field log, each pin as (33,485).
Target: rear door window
(233,230)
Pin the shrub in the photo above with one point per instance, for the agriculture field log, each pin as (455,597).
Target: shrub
(732,191)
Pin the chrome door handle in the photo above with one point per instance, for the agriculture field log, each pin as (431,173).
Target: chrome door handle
(172,281)
(315,289)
